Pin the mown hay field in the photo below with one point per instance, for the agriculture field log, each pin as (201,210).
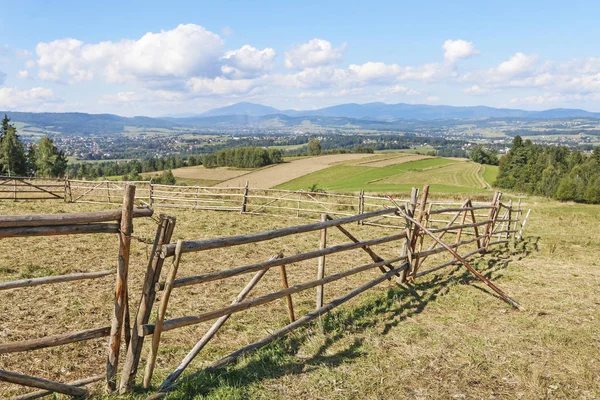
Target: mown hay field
(446,336)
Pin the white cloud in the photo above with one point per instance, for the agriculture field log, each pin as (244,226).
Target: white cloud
(143,96)
(458,49)
(517,65)
(34,99)
(222,87)
(23,74)
(315,53)
(183,52)
(433,99)
(476,90)
(247,62)
(30,64)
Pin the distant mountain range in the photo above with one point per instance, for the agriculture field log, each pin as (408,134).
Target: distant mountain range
(362,116)
(383,111)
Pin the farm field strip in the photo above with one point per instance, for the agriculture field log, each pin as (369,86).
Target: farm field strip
(274,175)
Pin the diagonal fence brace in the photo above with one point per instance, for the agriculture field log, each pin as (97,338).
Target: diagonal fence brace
(482,278)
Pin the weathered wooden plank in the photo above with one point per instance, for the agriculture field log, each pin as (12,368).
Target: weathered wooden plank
(59,230)
(213,276)
(43,393)
(200,245)
(52,341)
(26,380)
(53,279)
(32,220)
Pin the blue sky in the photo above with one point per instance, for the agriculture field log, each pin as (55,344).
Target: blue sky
(156,58)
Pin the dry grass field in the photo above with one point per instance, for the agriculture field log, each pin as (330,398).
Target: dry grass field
(446,336)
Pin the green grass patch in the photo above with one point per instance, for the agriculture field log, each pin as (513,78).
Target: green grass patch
(490,173)
(444,176)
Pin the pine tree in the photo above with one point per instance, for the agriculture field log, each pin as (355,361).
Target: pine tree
(12,153)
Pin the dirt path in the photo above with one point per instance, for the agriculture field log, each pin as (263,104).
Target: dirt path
(281,173)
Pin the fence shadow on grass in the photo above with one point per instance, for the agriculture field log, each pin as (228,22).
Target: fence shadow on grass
(388,310)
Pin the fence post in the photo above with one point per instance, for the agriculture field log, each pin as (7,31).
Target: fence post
(523,225)
(495,211)
(245,199)
(164,233)
(406,247)
(120,305)
(70,191)
(66,179)
(488,225)
(509,219)
(151,193)
(162,310)
(416,240)
(361,204)
(321,265)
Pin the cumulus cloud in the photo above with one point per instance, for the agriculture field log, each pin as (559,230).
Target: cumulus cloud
(247,62)
(517,65)
(31,99)
(315,53)
(223,87)
(30,64)
(458,49)
(183,52)
(143,96)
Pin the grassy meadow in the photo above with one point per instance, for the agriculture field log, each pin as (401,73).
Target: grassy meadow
(444,175)
(446,336)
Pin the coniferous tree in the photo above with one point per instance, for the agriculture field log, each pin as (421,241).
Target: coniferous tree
(12,153)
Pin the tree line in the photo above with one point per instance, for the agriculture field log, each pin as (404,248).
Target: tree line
(242,157)
(42,159)
(551,171)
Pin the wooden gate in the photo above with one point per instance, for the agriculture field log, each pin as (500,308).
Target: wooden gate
(23,188)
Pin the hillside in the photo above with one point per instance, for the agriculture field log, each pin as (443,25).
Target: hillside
(370,116)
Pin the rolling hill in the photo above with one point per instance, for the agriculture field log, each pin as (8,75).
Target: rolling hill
(399,116)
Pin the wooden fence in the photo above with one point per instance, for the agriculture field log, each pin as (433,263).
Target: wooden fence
(119,222)
(287,203)
(417,232)
(23,188)
(474,228)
